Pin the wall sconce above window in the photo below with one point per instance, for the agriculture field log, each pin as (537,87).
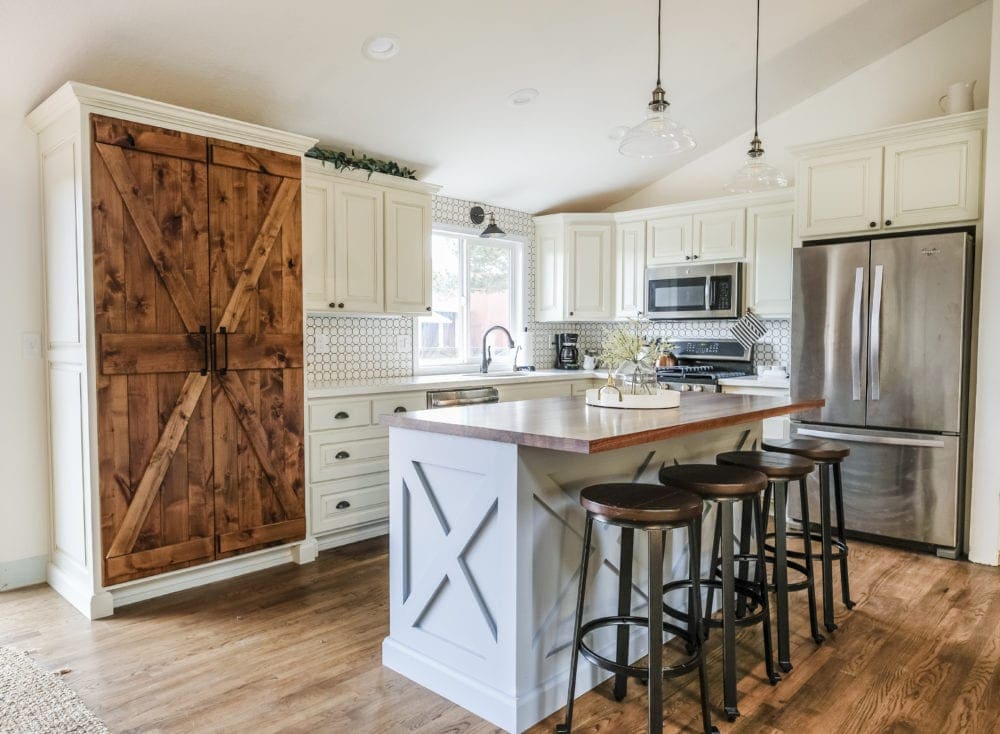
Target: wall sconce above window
(478,216)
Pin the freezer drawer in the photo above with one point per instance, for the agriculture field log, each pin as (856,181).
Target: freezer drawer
(896,485)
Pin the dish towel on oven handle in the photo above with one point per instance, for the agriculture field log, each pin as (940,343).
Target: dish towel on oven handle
(749,329)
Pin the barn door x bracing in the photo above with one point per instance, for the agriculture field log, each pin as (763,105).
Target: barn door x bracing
(198,321)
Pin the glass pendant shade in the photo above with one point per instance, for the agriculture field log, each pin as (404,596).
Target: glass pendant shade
(756,174)
(658,135)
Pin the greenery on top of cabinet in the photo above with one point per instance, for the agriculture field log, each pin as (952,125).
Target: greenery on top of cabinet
(344,161)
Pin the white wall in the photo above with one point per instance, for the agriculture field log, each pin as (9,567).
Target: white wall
(984,530)
(24,519)
(901,87)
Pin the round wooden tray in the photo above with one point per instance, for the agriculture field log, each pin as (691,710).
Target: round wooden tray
(657,401)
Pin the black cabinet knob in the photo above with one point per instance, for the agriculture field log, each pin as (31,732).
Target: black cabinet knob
(343,505)
(399,409)
(342,416)
(428,308)
(333,305)
(873,224)
(888,222)
(570,313)
(694,257)
(687,257)
(340,305)
(342,455)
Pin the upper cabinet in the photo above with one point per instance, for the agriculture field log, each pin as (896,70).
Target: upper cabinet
(915,175)
(669,240)
(574,272)
(770,240)
(630,269)
(366,244)
(720,235)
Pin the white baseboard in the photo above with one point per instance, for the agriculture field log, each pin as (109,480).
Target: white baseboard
(22,572)
(352,535)
(79,593)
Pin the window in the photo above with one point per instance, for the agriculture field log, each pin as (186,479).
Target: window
(476,285)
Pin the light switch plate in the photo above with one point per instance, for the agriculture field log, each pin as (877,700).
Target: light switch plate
(404,343)
(322,344)
(31,345)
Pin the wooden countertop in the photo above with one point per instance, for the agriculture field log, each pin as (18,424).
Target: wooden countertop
(569,424)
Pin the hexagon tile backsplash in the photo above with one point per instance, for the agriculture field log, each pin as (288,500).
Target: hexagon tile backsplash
(360,347)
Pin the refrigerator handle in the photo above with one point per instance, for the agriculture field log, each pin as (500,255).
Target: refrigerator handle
(875,337)
(862,438)
(859,277)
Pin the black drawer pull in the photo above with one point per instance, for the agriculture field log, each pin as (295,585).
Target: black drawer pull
(399,409)
(342,416)
(342,455)
(343,505)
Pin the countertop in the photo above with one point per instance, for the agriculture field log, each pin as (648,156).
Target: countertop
(444,382)
(569,424)
(779,383)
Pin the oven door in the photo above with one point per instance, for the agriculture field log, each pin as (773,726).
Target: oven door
(694,292)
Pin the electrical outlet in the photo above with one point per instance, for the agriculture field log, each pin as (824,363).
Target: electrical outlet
(31,345)
(322,344)
(404,343)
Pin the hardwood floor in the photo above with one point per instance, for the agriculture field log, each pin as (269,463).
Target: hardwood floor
(298,649)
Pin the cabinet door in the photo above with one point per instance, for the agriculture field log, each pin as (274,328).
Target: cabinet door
(630,266)
(668,240)
(549,273)
(720,235)
(589,273)
(840,193)
(770,240)
(154,416)
(358,248)
(407,252)
(257,385)
(933,181)
(318,245)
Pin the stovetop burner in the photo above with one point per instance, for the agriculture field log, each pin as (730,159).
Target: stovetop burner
(702,364)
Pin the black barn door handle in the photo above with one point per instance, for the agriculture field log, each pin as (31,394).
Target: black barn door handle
(225,350)
(204,336)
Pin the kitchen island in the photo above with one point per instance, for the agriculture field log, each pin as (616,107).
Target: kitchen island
(486,532)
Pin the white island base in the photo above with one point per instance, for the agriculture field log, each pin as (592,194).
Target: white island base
(485,543)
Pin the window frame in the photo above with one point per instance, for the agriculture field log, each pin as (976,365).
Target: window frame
(518,246)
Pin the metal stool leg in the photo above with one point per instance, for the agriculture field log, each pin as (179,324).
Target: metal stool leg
(781,572)
(713,563)
(838,493)
(624,609)
(826,548)
(807,551)
(655,538)
(746,518)
(588,530)
(728,612)
(761,579)
(694,630)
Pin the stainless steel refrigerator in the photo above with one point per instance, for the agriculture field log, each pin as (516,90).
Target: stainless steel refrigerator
(880,328)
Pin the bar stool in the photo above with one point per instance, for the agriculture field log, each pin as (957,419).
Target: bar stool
(780,470)
(653,509)
(828,456)
(726,485)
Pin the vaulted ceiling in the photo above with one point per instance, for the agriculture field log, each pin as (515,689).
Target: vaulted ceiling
(440,104)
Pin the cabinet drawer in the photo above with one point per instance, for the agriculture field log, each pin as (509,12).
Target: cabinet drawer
(326,415)
(348,502)
(580,387)
(400,403)
(333,458)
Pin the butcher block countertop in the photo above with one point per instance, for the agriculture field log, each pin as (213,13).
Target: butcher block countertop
(569,424)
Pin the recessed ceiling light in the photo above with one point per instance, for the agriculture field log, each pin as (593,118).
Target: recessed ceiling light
(618,132)
(380,47)
(522,97)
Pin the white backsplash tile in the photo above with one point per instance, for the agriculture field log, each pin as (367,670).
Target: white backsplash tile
(368,347)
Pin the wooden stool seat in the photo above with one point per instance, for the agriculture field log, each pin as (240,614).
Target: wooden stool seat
(642,504)
(771,464)
(711,481)
(811,448)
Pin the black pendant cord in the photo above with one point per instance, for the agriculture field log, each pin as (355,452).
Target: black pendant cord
(756,73)
(659,43)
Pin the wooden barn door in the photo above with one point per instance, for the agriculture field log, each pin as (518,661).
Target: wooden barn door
(151,294)
(257,390)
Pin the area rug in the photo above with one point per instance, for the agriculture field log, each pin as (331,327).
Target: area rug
(33,701)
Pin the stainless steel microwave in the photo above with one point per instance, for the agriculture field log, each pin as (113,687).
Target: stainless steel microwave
(695,291)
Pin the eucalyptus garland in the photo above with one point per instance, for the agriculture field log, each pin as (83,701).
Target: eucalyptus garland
(353,161)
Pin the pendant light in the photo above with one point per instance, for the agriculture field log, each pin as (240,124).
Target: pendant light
(756,174)
(659,134)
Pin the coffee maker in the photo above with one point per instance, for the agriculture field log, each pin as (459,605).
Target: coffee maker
(567,354)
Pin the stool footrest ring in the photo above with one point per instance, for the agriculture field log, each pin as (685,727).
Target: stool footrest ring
(686,665)
(746,589)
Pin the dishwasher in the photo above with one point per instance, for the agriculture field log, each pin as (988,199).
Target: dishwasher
(464,396)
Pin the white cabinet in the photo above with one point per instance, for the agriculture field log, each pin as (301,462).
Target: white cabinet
(407,252)
(774,428)
(719,235)
(549,272)
(630,264)
(358,277)
(669,240)
(840,192)
(366,244)
(914,175)
(770,240)
(932,180)
(589,271)
(535,390)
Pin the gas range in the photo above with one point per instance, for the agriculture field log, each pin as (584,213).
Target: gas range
(701,363)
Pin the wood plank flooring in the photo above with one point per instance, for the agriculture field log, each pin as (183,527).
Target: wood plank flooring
(297,649)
